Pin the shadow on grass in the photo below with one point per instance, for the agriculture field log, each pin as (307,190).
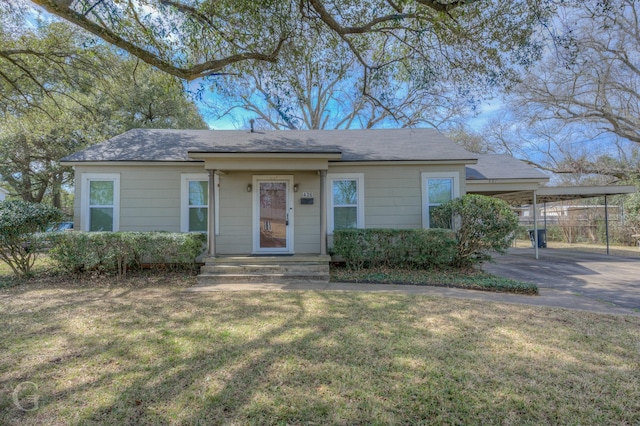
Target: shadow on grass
(160,356)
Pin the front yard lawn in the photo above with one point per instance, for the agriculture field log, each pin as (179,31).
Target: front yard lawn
(142,351)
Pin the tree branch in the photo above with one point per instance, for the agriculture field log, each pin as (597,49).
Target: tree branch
(62,9)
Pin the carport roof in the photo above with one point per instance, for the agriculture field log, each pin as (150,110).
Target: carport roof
(502,166)
(563,193)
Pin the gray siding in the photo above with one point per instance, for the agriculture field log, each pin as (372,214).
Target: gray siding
(235,235)
(393,194)
(150,200)
(149,195)
(307,217)
(236,213)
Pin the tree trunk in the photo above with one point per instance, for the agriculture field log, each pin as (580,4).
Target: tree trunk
(56,189)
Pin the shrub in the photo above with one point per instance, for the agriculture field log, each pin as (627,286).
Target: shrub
(554,233)
(118,252)
(481,225)
(19,223)
(411,248)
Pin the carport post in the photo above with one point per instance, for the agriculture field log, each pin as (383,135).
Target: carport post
(606,222)
(535,222)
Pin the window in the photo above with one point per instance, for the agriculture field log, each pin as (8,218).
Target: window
(198,205)
(437,188)
(100,202)
(346,201)
(195,203)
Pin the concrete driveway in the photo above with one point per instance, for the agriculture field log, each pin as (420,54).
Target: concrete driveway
(610,279)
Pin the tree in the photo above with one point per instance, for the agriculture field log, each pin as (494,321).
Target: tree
(19,221)
(470,139)
(573,153)
(70,110)
(198,38)
(308,89)
(577,111)
(41,62)
(594,74)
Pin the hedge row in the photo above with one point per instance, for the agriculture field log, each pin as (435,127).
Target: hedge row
(408,248)
(117,252)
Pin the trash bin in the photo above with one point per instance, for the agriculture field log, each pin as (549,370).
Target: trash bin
(542,238)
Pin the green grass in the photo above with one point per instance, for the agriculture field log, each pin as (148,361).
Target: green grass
(7,278)
(476,280)
(142,351)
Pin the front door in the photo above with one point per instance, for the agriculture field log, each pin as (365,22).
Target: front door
(273,214)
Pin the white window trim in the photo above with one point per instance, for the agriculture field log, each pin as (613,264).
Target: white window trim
(185,178)
(86,179)
(425,191)
(359,178)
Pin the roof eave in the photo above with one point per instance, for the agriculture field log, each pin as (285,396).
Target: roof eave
(332,155)
(402,162)
(130,162)
(508,180)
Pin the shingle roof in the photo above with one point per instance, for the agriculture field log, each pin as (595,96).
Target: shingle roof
(502,166)
(355,145)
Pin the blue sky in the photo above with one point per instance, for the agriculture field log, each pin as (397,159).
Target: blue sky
(485,112)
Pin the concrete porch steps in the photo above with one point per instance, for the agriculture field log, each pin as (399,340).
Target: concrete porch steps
(264,269)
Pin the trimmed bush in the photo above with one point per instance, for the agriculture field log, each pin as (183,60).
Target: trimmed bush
(408,248)
(19,223)
(481,225)
(118,252)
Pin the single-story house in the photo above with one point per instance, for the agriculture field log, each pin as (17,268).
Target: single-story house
(279,192)
(3,194)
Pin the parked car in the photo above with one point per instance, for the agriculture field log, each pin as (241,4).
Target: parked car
(45,238)
(60,226)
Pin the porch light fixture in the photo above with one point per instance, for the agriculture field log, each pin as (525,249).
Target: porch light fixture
(249,188)
(295,187)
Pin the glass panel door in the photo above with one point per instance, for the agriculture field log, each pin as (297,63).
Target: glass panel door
(273,220)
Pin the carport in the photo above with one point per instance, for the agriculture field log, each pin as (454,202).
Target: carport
(504,177)
(563,193)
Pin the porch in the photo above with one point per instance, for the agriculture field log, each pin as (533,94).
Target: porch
(276,232)
(265,269)
(271,197)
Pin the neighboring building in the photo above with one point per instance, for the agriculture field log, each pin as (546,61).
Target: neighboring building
(280,192)
(3,194)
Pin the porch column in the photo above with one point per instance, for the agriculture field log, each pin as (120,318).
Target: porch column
(323,212)
(606,222)
(535,222)
(211,222)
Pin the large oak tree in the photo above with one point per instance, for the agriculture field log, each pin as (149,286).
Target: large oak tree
(95,93)
(593,74)
(191,39)
(577,111)
(318,85)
